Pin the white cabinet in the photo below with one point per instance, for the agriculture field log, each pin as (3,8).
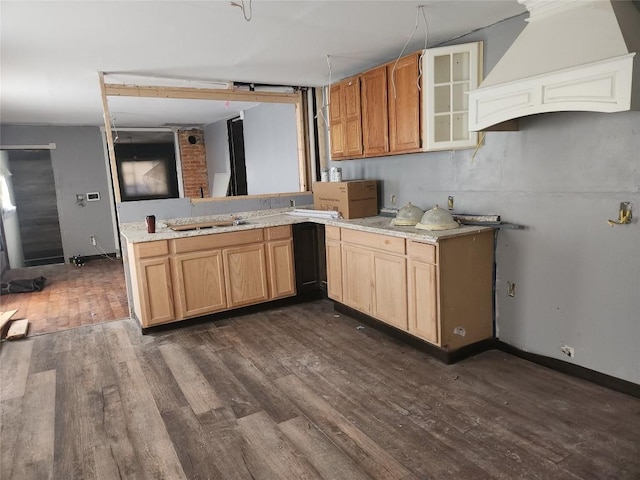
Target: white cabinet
(448,74)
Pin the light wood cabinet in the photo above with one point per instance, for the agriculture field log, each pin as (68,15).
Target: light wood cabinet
(449,73)
(389,302)
(380,109)
(280,264)
(199,278)
(374,274)
(345,119)
(246,274)
(357,277)
(157,291)
(441,293)
(423,291)
(404,104)
(375,112)
(187,277)
(333,250)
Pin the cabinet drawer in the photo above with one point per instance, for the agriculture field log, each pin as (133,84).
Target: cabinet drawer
(374,240)
(151,249)
(332,233)
(278,233)
(422,252)
(216,240)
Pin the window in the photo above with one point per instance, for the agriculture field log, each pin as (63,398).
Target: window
(146,169)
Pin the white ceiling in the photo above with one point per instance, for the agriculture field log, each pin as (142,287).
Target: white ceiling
(51,51)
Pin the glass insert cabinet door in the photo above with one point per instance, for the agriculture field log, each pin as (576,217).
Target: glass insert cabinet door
(449,73)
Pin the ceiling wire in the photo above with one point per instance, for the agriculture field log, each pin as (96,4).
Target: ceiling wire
(242,6)
(419,10)
(325,93)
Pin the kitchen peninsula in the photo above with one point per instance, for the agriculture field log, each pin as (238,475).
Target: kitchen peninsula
(434,286)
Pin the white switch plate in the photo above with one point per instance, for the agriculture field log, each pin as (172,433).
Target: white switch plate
(93,196)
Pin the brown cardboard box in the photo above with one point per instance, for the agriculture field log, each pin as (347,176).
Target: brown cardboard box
(353,198)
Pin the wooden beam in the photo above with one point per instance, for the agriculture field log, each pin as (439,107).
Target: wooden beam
(190,93)
(107,128)
(302,141)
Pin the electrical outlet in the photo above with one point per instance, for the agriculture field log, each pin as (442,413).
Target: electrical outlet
(511,289)
(93,239)
(392,198)
(450,202)
(567,350)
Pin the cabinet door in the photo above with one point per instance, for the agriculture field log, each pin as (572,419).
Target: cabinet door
(156,291)
(281,269)
(404,104)
(375,115)
(336,121)
(246,275)
(423,295)
(390,289)
(199,281)
(450,72)
(352,117)
(357,278)
(334,270)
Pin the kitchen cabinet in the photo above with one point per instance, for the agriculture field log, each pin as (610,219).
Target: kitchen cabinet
(199,278)
(440,293)
(191,276)
(245,270)
(153,283)
(280,262)
(345,119)
(380,109)
(449,73)
(334,263)
(375,112)
(404,104)
(374,275)
(423,291)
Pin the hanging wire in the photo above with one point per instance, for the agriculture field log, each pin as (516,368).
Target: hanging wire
(242,7)
(325,94)
(419,9)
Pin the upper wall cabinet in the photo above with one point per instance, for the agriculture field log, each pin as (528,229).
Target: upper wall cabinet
(345,119)
(396,108)
(378,112)
(449,73)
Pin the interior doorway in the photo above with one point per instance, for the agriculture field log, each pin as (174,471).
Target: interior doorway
(238,167)
(36,207)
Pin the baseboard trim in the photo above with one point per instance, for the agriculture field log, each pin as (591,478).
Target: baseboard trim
(444,356)
(236,312)
(602,379)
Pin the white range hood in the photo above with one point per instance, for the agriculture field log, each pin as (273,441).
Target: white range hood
(573,55)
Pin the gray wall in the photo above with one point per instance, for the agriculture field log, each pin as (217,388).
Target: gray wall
(78,167)
(216,143)
(271,149)
(562,176)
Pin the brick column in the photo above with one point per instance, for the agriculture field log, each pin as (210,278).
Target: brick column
(194,163)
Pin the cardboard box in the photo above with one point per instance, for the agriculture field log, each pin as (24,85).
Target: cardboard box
(353,198)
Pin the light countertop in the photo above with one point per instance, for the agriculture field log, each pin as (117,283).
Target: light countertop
(137,231)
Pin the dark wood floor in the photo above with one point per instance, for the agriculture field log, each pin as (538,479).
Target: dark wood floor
(73,296)
(297,393)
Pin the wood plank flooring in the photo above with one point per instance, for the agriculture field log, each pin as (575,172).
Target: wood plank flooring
(296,393)
(72,297)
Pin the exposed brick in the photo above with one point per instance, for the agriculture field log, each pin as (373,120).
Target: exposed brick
(194,163)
